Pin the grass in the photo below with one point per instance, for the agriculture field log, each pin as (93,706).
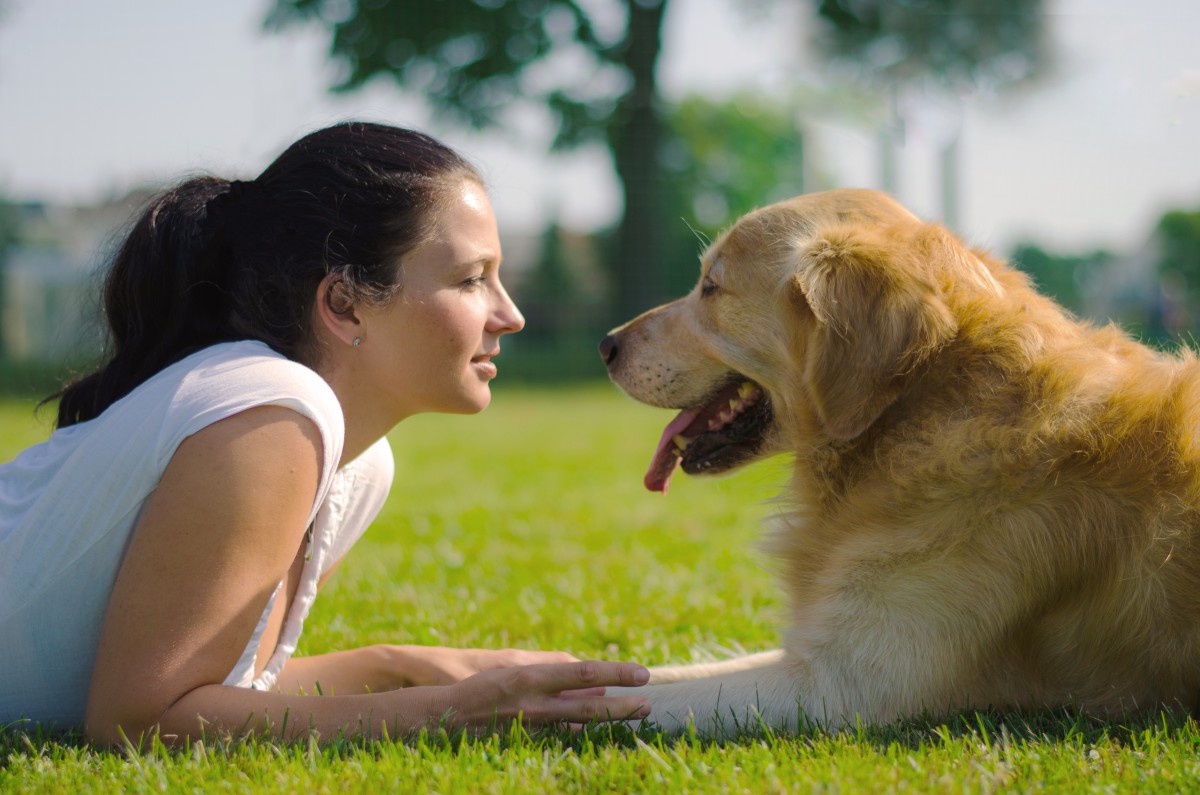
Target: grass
(527,526)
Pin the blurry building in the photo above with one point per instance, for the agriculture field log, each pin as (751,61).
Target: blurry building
(50,290)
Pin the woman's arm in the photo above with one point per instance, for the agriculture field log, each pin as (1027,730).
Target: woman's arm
(537,694)
(374,669)
(215,538)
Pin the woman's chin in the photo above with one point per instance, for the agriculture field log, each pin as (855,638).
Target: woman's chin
(473,400)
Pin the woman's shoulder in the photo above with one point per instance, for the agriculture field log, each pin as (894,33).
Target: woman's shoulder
(231,377)
(234,376)
(244,366)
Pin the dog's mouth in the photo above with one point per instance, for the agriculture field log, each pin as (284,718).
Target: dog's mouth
(724,431)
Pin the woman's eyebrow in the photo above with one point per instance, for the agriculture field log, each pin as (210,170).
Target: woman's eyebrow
(483,259)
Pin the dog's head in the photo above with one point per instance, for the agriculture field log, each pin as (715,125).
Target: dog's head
(822,306)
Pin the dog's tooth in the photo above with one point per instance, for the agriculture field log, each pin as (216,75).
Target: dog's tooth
(734,405)
(749,394)
(681,441)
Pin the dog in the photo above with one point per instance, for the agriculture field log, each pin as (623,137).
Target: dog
(992,504)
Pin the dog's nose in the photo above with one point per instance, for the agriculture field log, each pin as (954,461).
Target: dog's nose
(608,349)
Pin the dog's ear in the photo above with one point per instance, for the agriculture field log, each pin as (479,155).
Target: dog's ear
(878,317)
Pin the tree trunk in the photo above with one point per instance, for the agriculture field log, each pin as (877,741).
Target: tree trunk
(635,138)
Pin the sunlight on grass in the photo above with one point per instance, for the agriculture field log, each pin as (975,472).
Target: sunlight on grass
(528,526)
(20,426)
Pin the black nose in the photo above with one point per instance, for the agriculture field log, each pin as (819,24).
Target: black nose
(608,349)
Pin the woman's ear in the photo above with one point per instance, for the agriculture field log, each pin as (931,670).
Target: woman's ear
(878,316)
(335,310)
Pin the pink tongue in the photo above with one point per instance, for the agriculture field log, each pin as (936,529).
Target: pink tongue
(666,457)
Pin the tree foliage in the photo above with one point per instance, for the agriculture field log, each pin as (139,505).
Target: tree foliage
(10,236)
(550,294)
(474,58)
(1062,276)
(1178,238)
(959,43)
(1177,309)
(728,157)
(725,159)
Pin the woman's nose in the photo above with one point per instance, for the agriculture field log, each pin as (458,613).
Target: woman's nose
(509,317)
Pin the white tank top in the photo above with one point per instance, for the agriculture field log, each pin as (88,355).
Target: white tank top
(68,507)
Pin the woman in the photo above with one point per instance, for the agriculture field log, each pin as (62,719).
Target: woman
(158,554)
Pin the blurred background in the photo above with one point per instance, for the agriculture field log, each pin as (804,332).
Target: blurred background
(617,136)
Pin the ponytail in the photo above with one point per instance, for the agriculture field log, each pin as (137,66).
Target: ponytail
(162,298)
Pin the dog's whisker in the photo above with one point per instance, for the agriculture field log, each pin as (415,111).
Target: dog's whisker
(705,242)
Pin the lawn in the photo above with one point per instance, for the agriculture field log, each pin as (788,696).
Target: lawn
(528,526)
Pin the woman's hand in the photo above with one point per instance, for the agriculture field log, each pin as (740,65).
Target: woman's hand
(567,692)
(439,665)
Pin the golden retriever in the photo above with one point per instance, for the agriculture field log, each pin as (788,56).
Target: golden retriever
(993,504)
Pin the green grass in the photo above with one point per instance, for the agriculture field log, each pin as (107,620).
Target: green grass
(527,526)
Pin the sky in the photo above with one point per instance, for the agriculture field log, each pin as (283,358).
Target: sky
(100,97)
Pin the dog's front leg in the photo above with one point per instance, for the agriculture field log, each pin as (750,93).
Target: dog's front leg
(727,703)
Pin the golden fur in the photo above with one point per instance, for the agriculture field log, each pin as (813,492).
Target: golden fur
(993,504)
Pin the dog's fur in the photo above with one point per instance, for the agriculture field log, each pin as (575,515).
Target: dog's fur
(992,505)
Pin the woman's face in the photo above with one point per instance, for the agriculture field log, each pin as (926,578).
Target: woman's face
(431,348)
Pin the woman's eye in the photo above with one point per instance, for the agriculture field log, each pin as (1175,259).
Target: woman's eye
(474,281)
(707,287)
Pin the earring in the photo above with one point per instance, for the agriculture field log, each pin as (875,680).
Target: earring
(357,342)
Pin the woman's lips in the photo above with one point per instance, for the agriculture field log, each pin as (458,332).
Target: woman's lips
(484,364)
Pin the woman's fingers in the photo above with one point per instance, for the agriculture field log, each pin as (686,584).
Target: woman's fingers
(548,692)
(576,691)
(590,674)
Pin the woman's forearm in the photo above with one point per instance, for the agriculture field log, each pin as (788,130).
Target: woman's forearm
(370,669)
(537,693)
(374,669)
(223,709)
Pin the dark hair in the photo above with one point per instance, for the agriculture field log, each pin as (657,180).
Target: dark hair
(212,261)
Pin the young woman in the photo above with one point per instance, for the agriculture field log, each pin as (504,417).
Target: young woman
(159,553)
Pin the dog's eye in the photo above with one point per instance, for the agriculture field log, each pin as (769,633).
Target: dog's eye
(708,287)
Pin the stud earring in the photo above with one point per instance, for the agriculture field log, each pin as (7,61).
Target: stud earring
(357,341)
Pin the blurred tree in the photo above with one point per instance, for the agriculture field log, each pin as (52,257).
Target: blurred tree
(474,58)
(1177,302)
(723,160)
(1062,276)
(961,46)
(1178,237)
(549,295)
(9,238)
(729,157)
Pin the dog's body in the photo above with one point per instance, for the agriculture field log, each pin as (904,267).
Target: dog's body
(992,505)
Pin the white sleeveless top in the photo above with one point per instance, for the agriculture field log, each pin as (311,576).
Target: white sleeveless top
(68,507)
